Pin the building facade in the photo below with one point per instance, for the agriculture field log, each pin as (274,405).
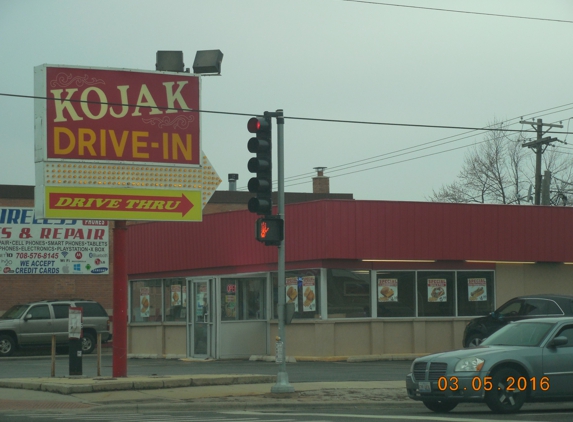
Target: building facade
(366,277)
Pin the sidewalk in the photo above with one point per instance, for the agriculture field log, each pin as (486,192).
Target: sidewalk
(186,392)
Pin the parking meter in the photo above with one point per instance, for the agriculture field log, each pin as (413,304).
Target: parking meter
(75,340)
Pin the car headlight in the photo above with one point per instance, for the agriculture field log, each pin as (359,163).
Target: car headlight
(471,364)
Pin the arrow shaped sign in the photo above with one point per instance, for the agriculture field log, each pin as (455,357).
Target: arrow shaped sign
(124,204)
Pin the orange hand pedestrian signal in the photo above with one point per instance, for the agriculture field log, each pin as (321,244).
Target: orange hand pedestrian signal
(264,229)
(270,230)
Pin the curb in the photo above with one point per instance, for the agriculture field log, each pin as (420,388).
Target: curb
(90,385)
(364,358)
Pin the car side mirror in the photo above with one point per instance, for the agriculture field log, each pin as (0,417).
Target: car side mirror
(27,317)
(558,341)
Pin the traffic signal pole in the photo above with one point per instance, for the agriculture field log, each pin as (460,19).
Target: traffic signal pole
(282,385)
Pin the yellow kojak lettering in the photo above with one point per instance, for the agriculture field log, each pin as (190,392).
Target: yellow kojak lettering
(111,144)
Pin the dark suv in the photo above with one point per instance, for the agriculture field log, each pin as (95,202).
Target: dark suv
(34,324)
(516,309)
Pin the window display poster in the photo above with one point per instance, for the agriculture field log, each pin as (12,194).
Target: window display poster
(291,286)
(477,290)
(387,290)
(144,302)
(175,295)
(230,306)
(184,296)
(201,305)
(309,293)
(437,290)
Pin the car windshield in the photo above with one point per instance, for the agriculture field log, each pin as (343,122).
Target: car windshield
(519,334)
(15,312)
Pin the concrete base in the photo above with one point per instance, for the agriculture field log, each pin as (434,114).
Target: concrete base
(282,385)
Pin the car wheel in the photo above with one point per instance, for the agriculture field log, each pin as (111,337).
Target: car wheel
(7,345)
(505,397)
(474,340)
(440,406)
(88,343)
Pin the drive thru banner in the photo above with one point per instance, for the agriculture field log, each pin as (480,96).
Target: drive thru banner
(50,246)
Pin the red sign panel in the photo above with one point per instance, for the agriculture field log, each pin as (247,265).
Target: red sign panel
(122,115)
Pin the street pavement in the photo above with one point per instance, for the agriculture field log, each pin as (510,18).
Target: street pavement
(189,391)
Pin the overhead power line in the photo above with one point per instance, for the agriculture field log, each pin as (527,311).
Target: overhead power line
(436,9)
(232,113)
(346,166)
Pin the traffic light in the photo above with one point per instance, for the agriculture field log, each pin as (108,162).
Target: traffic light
(261,144)
(270,230)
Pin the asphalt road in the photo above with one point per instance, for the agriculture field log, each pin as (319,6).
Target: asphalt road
(40,366)
(382,413)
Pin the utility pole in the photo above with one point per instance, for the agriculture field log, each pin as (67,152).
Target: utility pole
(539,145)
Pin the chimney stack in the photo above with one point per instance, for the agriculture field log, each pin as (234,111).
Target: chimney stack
(320,183)
(233,177)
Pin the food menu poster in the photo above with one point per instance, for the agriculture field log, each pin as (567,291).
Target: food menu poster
(477,290)
(387,290)
(309,293)
(144,301)
(291,286)
(437,290)
(176,295)
(184,296)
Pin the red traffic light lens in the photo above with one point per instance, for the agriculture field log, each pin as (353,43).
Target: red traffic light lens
(254,125)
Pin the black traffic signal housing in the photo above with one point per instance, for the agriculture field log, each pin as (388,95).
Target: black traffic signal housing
(270,230)
(261,164)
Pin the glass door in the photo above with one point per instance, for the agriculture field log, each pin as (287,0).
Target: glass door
(200,318)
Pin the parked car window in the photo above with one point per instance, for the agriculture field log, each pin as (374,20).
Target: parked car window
(553,308)
(15,312)
(61,311)
(39,312)
(567,332)
(519,334)
(92,309)
(511,308)
(534,307)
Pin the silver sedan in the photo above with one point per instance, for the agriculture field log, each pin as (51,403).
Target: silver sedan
(529,360)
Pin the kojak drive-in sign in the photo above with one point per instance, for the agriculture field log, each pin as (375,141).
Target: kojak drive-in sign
(119,144)
(43,246)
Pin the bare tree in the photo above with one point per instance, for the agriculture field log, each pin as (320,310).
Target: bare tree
(498,170)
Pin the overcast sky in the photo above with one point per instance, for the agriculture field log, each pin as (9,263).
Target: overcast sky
(327,59)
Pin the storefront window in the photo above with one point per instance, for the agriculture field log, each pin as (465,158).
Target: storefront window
(242,299)
(396,295)
(348,294)
(475,292)
(146,301)
(301,288)
(175,294)
(436,294)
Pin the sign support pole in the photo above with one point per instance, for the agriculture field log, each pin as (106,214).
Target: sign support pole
(119,299)
(282,385)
